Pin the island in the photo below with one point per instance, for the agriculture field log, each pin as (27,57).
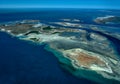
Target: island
(84,49)
(108,20)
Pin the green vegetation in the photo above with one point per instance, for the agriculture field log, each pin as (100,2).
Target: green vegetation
(47,28)
(55,32)
(36,32)
(34,39)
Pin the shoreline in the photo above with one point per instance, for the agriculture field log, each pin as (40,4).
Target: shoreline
(61,45)
(80,73)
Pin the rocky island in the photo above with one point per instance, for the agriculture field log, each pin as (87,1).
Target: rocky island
(85,50)
(108,20)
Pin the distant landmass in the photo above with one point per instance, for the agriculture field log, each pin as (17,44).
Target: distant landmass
(108,20)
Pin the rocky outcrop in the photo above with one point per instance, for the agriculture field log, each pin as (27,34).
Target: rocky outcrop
(108,20)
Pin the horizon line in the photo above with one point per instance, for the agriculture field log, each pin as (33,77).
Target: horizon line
(57,8)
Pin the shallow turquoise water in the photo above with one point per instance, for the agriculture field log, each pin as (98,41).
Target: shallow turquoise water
(80,73)
(23,62)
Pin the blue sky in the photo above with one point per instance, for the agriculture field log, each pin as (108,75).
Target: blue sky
(112,4)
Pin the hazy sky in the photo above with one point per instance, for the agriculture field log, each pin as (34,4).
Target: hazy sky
(113,4)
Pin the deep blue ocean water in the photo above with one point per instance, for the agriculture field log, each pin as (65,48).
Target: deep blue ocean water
(86,16)
(23,62)
(27,63)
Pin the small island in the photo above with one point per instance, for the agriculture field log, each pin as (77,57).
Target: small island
(108,20)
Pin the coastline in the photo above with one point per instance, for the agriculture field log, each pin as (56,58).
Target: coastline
(80,73)
(66,64)
(46,36)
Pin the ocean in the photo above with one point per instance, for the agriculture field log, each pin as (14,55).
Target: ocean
(23,62)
